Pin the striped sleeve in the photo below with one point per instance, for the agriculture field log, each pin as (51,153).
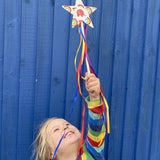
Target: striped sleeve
(94,143)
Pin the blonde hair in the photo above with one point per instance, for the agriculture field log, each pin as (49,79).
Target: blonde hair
(41,147)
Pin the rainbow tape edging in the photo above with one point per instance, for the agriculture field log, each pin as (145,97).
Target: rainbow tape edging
(74,22)
(81,6)
(87,20)
(68,8)
(89,10)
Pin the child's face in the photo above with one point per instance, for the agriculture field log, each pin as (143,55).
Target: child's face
(55,131)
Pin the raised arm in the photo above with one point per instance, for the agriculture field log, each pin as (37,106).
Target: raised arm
(93,147)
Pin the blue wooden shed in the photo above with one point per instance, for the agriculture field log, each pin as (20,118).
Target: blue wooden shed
(37,76)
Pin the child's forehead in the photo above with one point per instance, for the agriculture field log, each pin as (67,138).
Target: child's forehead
(60,120)
(57,121)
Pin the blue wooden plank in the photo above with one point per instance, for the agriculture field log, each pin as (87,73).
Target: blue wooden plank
(93,34)
(106,49)
(148,82)
(27,78)
(73,46)
(59,60)
(44,57)
(79,105)
(2,6)
(119,81)
(93,41)
(73,40)
(134,80)
(10,79)
(155,130)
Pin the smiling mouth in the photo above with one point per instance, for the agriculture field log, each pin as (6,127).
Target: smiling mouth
(68,134)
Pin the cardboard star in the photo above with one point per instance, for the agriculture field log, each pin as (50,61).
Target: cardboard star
(80,13)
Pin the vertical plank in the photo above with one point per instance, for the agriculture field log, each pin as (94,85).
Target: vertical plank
(93,34)
(106,49)
(106,46)
(11,79)
(134,80)
(2,15)
(27,78)
(148,82)
(93,43)
(44,58)
(71,75)
(120,75)
(92,38)
(155,129)
(59,60)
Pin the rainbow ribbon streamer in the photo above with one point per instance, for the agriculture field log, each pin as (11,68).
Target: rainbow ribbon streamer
(79,78)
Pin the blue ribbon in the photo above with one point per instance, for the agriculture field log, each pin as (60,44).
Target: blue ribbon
(73,106)
(81,33)
(58,145)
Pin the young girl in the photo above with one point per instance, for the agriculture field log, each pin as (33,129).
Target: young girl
(53,129)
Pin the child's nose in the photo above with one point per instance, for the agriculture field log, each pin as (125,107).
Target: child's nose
(66,126)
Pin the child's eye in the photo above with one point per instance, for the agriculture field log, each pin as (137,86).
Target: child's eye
(56,129)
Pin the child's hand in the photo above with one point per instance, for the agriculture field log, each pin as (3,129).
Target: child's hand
(92,85)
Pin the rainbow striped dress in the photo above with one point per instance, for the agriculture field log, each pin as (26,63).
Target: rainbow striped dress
(93,147)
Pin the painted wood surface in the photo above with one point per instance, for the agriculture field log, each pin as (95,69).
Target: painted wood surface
(37,75)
